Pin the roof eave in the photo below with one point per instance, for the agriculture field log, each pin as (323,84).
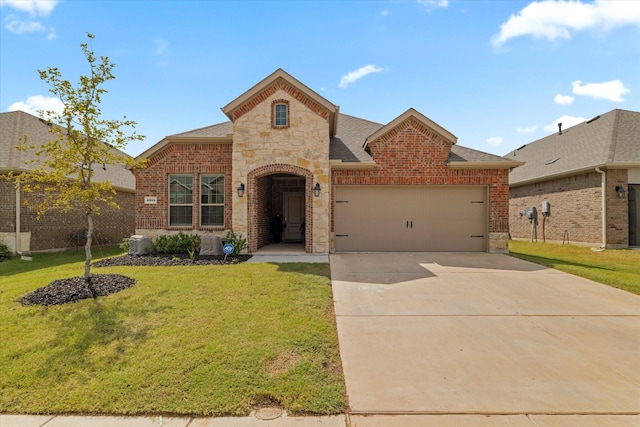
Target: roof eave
(484,165)
(340,165)
(227,139)
(564,174)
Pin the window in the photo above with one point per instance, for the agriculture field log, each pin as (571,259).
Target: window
(212,200)
(280,113)
(180,200)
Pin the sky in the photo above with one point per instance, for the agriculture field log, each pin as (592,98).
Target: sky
(496,74)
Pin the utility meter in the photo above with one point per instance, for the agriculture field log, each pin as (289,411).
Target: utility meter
(531,213)
(546,208)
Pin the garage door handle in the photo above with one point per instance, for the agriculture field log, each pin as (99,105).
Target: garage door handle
(342,235)
(407,226)
(477,235)
(411,224)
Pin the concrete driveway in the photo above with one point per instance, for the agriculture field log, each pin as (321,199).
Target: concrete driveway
(455,334)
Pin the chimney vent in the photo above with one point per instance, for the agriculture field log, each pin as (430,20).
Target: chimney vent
(559,128)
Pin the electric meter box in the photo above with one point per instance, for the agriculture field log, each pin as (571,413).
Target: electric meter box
(546,208)
(530,213)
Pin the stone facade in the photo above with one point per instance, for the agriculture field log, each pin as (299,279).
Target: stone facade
(300,149)
(412,154)
(576,209)
(55,230)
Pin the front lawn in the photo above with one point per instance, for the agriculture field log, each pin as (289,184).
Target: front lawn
(615,267)
(191,340)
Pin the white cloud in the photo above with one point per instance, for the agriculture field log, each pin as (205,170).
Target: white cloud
(38,102)
(558,19)
(567,122)
(563,99)
(18,26)
(495,140)
(384,13)
(32,7)
(434,3)
(529,129)
(610,91)
(353,76)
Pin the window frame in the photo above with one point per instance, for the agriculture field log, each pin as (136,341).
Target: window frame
(171,204)
(222,193)
(275,114)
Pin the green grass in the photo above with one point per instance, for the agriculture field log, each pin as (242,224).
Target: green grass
(194,340)
(619,268)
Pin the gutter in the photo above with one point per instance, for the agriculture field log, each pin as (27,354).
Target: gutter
(604,206)
(18,251)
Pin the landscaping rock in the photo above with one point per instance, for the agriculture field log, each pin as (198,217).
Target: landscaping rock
(169,260)
(210,244)
(139,245)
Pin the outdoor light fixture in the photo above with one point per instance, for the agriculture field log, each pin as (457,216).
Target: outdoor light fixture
(316,190)
(241,190)
(620,191)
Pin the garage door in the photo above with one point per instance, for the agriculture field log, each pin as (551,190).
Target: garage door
(410,218)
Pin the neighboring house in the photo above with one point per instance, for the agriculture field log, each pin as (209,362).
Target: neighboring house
(590,176)
(55,229)
(288,166)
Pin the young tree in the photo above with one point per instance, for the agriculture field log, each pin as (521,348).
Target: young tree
(63,172)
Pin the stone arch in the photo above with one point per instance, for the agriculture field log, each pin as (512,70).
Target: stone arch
(253,202)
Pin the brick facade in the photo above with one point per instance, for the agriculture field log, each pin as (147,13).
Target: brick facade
(181,158)
(412,154)
(576,209)
(54,229)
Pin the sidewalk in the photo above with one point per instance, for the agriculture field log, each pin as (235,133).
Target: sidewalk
(95,421)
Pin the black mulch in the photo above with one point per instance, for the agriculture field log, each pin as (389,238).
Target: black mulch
(64,291)
(168,260)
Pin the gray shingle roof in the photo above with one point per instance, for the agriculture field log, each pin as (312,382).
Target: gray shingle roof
(346,145)
(221,129)
(608,140)
(15,124)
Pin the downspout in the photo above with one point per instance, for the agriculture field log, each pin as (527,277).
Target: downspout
(604,206)
(18,251)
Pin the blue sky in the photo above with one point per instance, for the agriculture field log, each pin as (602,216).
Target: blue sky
(497,74)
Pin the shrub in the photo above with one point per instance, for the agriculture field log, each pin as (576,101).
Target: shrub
(4,252)
(237,240)
(125,245)
(177,244)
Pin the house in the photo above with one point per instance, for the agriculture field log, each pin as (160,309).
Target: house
(55,230)
(589,175)
(289,166)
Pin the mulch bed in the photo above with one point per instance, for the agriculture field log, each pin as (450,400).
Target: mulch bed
(168,260)
(65,291)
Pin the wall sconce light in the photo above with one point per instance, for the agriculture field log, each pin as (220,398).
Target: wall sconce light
(241,190)
(620,190)
(316,190)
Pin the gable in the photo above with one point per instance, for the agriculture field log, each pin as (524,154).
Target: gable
(411,139)
(281,81)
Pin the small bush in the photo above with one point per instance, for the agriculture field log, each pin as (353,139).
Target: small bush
(237,240)
(4,252)
(177,244)
(125,245)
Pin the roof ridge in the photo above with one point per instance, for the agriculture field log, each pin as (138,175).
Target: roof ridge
(613,141)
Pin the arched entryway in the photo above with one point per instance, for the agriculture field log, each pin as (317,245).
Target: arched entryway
(280,206)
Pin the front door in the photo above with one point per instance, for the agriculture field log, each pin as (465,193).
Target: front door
(294,217)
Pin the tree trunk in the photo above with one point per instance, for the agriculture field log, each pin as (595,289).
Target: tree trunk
(87,251)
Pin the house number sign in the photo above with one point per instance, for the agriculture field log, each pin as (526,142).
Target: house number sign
(150,200)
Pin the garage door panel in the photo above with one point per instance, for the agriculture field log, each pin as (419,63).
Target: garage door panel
(410,218)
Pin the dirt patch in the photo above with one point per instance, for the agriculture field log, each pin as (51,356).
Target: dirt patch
(283,363)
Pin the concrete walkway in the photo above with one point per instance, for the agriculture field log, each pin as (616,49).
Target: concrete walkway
(478,339)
